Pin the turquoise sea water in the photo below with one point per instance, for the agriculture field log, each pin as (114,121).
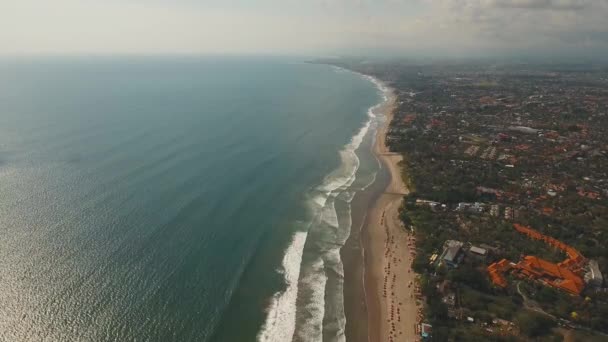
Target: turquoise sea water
(154,199)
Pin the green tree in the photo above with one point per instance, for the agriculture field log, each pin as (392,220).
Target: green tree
(440,334)
(534,324)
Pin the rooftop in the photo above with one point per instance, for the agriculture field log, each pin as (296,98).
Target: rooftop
(478,250)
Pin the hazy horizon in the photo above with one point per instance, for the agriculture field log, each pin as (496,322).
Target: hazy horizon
(443,28)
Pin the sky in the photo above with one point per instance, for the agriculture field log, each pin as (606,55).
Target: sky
(311,27)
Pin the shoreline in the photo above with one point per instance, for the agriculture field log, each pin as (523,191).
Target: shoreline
(353,251)
(364,256)
(278,310)
(385,278)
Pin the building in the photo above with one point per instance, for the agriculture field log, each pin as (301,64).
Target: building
(452,253)
(478,253)
(476,207)
(594,277)
(496,271)
(509,213)
(426,330)
(490,249)
(431,204)
(495,210)
(564,275)
(549,273)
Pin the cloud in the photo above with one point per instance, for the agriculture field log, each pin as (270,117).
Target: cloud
(464,27)
(571,26)
(568,5)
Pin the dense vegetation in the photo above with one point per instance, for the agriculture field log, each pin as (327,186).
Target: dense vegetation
(552,178)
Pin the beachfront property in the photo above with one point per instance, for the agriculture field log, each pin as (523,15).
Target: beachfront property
(452,254)
(565,276)
(431,204)
(426,331)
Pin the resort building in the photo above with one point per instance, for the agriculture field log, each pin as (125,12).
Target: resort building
(550,274)
(564,275)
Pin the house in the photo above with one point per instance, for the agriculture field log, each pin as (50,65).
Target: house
(495,210)
(509,213)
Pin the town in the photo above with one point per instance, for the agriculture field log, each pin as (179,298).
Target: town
(507,167)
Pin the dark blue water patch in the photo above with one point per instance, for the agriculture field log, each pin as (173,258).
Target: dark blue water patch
(136,192)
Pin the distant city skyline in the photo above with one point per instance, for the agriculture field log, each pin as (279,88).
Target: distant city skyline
(450,28)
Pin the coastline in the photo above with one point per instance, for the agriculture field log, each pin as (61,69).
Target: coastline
(315,261)
(352,253)
(374,213)
(377,260)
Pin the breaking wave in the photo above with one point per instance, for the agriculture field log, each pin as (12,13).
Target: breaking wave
(312,305)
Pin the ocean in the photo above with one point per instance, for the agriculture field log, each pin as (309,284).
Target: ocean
(178,198)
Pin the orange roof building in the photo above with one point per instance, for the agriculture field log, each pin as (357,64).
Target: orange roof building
(496,271)
(572,253)
(564,275)
(550,273)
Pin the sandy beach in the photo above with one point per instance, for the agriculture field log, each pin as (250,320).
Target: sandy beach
(389,280)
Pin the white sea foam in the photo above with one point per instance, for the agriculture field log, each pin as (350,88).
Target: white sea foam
(310,325)
(320,198)
(332,235)
(329,215)
(347,196)
(280,321)
(298,312)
